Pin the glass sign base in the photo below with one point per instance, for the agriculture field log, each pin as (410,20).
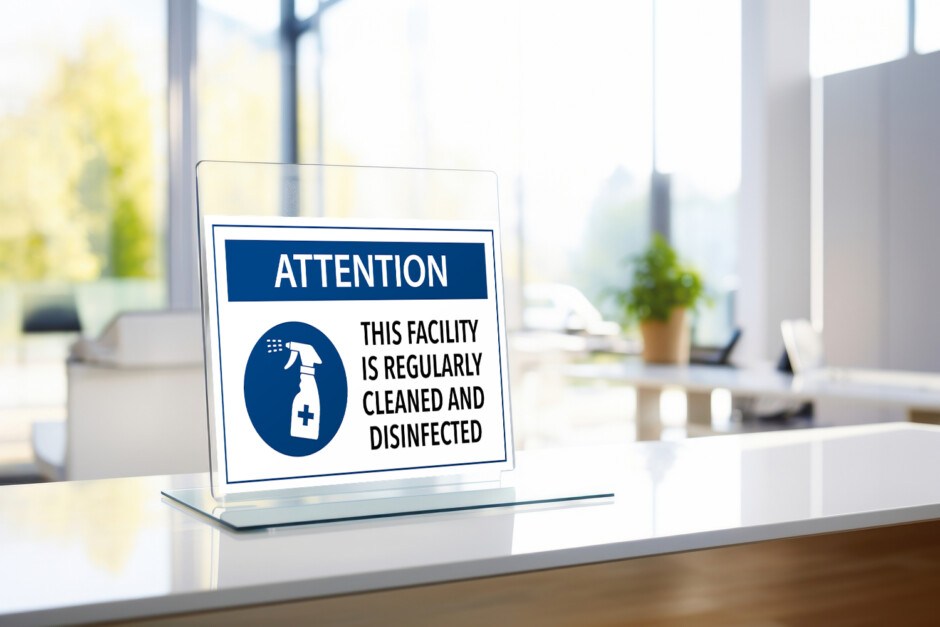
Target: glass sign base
(319,507)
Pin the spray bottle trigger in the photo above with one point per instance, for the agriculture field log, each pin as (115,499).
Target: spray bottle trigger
(293,358)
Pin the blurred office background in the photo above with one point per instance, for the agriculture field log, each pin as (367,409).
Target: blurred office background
(728,125)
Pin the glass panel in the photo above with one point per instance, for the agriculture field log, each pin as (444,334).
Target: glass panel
(83,171)
(698,135)
(239,80)
(849,34)
(927,28)
(266,190)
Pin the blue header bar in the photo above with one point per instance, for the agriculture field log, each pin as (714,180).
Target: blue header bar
(277,270)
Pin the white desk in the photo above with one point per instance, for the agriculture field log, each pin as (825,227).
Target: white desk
(113,549)
(915,392)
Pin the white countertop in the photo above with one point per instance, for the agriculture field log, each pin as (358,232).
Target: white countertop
(908,389)
(112,549)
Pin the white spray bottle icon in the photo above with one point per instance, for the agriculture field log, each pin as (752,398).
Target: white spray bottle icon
(305,411)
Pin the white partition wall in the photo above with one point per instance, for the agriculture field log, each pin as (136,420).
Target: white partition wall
(881,215)
(854,268)
(914,213)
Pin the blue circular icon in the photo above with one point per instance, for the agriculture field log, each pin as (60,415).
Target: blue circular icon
(295,389)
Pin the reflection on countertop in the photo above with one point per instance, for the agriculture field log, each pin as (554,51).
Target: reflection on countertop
(91,545)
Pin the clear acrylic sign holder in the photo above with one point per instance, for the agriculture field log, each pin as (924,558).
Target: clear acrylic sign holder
(267,190)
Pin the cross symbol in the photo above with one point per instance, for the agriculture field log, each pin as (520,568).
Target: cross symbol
(306,414)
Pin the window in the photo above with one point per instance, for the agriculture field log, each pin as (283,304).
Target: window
(927,27)
(698,143)
(849,34)
(555,99)
(239,80)
(82,164)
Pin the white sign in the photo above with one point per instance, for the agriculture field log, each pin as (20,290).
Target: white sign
(347,351)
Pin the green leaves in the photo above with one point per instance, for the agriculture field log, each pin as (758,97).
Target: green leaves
(77,170)
(660,283)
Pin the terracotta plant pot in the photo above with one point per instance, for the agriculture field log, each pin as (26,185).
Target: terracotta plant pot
(667,342)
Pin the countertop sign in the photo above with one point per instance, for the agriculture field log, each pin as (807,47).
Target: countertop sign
(349,351)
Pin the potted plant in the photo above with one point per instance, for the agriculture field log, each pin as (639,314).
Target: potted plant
(661,293)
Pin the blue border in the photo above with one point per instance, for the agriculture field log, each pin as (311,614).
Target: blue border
(499,352)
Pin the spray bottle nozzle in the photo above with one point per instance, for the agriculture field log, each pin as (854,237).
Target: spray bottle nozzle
(308,357)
